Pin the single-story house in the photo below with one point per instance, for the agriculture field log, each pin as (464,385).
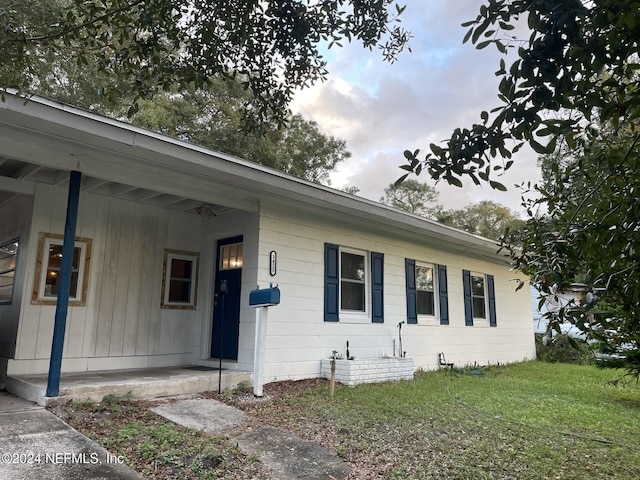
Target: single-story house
(172,237)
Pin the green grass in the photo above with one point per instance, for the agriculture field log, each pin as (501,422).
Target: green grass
(528,421)
(532,420)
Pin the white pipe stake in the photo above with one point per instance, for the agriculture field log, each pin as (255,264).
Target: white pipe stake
(260,346)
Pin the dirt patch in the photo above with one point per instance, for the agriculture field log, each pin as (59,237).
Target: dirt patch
(156,447)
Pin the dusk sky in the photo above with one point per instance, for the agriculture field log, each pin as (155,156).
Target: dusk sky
(381,109)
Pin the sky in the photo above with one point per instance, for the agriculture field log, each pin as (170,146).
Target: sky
(382,109)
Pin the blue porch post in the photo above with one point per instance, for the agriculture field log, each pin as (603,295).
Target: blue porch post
(64,288)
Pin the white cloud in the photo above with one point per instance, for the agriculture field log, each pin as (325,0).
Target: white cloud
(382,109)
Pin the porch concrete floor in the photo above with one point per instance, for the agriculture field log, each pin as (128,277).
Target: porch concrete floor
(140,383)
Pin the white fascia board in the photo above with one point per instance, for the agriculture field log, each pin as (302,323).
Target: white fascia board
(126,144)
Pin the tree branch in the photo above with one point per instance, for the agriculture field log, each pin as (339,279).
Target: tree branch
(601,182)
(83,25)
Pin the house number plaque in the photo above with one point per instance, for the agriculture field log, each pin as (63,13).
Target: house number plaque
(272,262)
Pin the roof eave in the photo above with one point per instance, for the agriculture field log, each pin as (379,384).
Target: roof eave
(169,153)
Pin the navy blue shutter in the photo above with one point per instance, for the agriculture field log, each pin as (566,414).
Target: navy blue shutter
(377,287)
(331,283)
(468,305)
(492,301)
(412,293)
(443,295)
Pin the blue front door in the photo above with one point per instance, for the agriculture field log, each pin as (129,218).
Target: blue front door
(226,310)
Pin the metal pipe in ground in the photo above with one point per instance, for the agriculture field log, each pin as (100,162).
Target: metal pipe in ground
(332,382)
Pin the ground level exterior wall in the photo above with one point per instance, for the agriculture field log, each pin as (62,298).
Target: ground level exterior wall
(298,337)
(121,325)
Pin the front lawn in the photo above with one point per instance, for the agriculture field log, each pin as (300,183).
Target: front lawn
(532,420)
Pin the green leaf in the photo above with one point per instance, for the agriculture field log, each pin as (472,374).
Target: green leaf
(467,36)
(497,186)
(439,151)
(451,180)
(537,147)
(400,180)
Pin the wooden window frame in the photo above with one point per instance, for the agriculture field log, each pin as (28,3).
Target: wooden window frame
(38,296)
(169,255)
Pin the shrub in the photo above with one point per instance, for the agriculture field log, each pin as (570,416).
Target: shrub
(563,349)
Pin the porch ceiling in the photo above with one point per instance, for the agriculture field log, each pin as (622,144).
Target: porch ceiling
(18,177)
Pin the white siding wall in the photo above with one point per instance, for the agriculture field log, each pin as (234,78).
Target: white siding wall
(122,324)
(15,221)
(298,337)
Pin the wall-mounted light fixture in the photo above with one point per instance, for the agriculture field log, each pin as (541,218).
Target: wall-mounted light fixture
(205,211)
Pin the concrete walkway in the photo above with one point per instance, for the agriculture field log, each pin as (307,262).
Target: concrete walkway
(35,444)
(288,456)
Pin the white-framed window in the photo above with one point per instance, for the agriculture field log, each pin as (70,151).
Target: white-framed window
(354,281)
(231,256)
(8,261)
(426,291)
(478,296)
(48,264)
(180,279)
(353,285)
(479,299)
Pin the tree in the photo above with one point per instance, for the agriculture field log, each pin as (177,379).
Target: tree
(350,189)
(413,197)
(151,46)
(577,69)
(589,234)
(574,86)
(212,117)
(486,218)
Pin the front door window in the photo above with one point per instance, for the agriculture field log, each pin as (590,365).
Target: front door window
(231,256)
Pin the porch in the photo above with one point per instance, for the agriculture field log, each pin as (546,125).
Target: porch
(141,383)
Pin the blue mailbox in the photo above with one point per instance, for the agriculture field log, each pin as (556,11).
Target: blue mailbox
(264,297)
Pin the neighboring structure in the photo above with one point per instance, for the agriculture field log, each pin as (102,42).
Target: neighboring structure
(571,297)
(171,238)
